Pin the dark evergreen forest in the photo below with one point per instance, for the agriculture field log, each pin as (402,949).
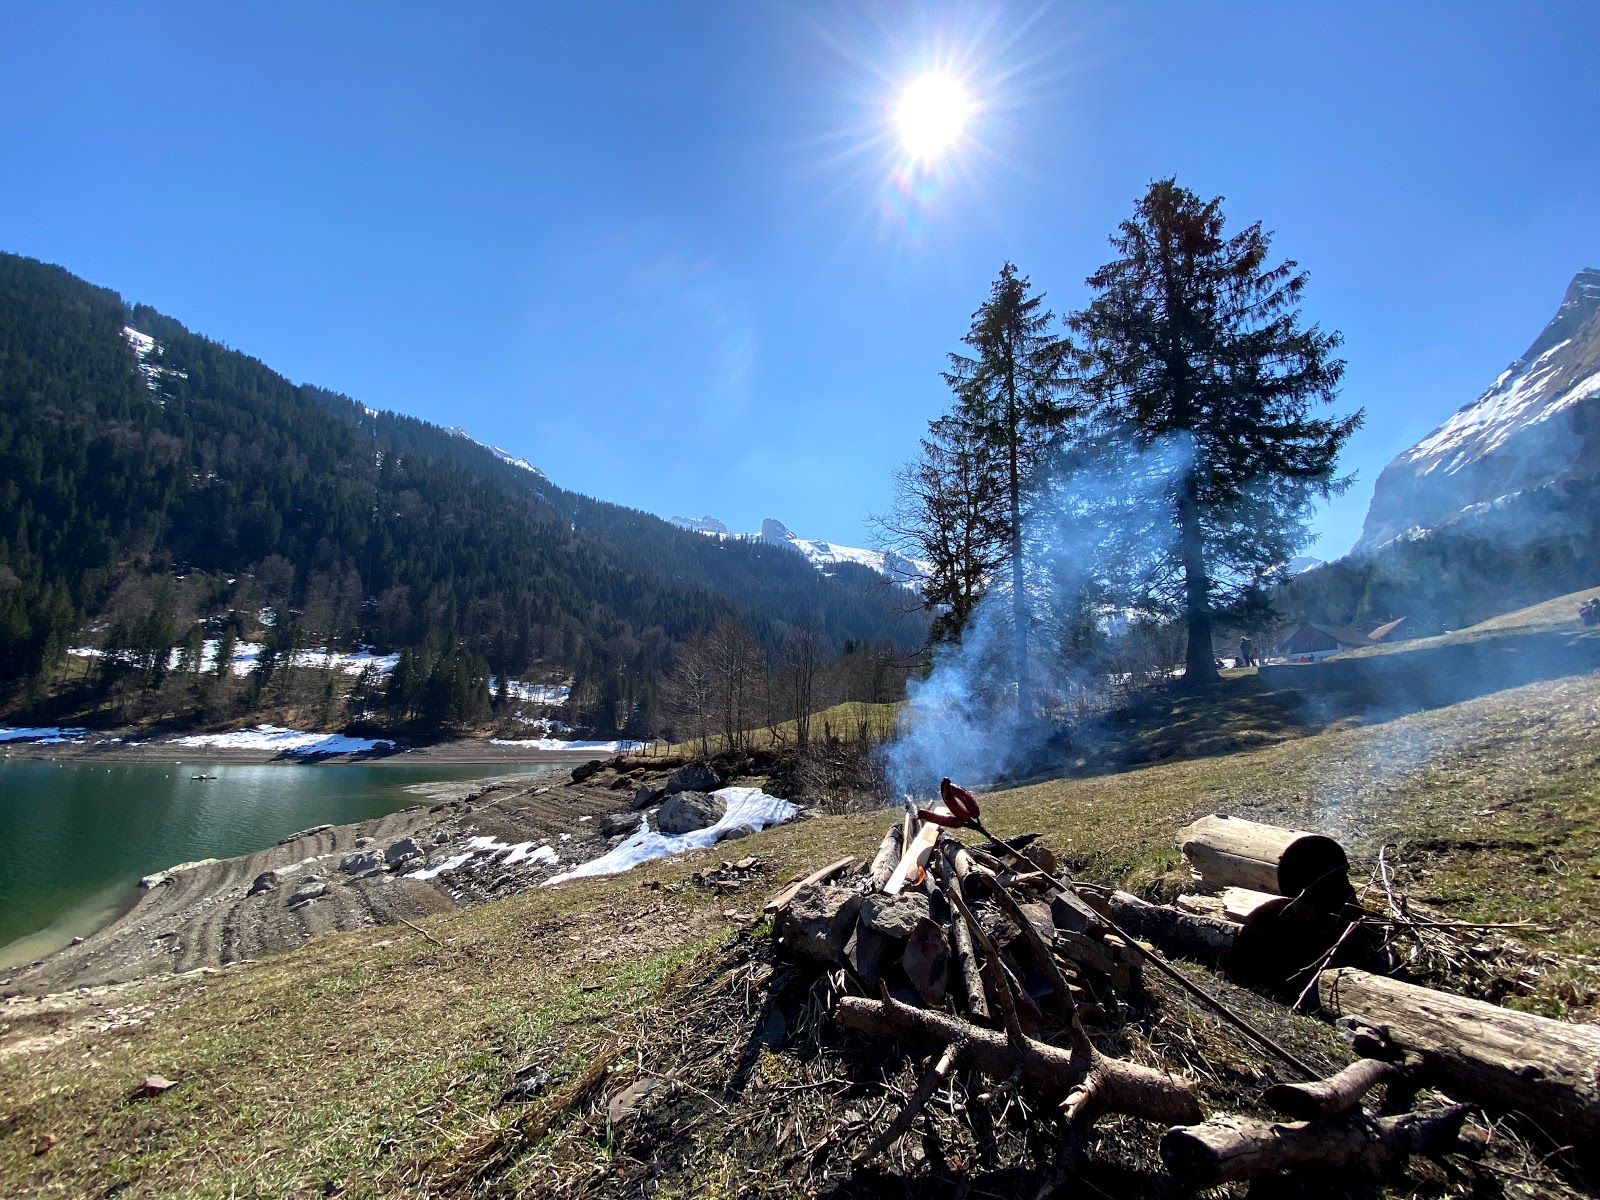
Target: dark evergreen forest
(119,476)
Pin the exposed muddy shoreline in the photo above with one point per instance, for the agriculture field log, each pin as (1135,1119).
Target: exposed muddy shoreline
(466,752)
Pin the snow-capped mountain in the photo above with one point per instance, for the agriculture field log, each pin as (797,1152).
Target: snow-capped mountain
(1301,563)
(820,554)
(504,456)
(1537,426)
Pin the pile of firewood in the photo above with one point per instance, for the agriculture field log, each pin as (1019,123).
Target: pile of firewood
(989,959)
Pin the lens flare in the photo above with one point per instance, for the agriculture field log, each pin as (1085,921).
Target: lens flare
(932,115)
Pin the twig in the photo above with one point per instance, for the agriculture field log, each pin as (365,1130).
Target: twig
(422,931)
(914,1103)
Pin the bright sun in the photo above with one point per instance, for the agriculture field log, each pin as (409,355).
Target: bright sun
(932,115)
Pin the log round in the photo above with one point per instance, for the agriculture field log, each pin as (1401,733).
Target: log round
(1548,1070)
(1228,852)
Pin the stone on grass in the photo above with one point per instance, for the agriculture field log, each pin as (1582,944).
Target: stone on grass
(695,777)
(648,795)
(153,1085)
(617,823)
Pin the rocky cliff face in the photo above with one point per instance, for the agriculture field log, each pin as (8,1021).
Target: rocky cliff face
(1500,459)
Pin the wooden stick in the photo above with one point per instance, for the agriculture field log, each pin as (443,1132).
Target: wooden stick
(1047,961)
(993,976)
(822,876)
(1228,1149)
(1118,1086)
(1332,1096)
(1167,969)
(966,953)
(935,1076)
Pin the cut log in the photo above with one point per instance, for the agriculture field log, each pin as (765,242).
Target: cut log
(1106,1085)
(1227,852)
(1548,1070)
(1185,935)
(1229,1149)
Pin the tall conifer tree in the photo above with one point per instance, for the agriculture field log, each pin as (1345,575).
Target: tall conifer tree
(1194,337)
(1009,398)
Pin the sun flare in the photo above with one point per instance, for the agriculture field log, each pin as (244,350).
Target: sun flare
(932,115)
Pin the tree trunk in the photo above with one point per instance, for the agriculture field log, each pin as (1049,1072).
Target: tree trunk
(1200,661)
(1549,1070)
(1019,601)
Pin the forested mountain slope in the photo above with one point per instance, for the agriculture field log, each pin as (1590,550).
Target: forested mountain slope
(134,453)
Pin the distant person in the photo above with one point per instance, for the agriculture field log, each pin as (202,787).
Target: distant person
(1247,652)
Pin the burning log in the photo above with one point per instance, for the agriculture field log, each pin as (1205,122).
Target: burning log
(1227,852)
(1549,1070)
(1228,1149)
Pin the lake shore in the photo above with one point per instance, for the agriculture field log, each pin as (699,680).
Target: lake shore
(466,752)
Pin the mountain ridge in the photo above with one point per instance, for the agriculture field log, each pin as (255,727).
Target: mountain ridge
(1533,427)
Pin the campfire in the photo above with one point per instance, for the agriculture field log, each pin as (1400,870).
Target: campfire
(981,953)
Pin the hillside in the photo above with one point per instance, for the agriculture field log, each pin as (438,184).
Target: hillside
(152,477)
(476,1053)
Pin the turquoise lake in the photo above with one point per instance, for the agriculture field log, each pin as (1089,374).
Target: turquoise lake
(76,837)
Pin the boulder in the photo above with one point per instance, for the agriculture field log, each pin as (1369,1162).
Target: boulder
(818,921)
(404,848)
(685,812)
(648,796)
(737,832)
(267,881)
(695,777)
(583,771)
(308,893)
(356,864)
(894,916)
(617,823)
(440,838)
(363,842)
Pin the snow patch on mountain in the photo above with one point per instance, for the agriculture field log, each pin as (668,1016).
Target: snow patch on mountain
(817,552)
(1521,397)
(144,350)
(504,456)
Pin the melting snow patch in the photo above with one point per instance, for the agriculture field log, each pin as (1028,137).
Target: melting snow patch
(282,741)
(746,806)
(520,852)
(558,744)
(43,733)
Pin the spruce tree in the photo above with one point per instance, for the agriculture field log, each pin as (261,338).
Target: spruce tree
(1194,340)
(1009,399)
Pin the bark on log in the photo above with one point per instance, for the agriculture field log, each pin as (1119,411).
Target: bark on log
(1227,852)
(1108,1085)
(889,852)
(1549,1070)
(1175,933)
(793,890)
(1331,1096)
(1228,1149)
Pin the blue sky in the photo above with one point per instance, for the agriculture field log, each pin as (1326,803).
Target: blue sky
(660,250)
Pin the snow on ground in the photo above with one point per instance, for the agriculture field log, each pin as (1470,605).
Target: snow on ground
(281,741)
(43,733)
(558,744)
(746,806)
(554,694)
(476,847)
